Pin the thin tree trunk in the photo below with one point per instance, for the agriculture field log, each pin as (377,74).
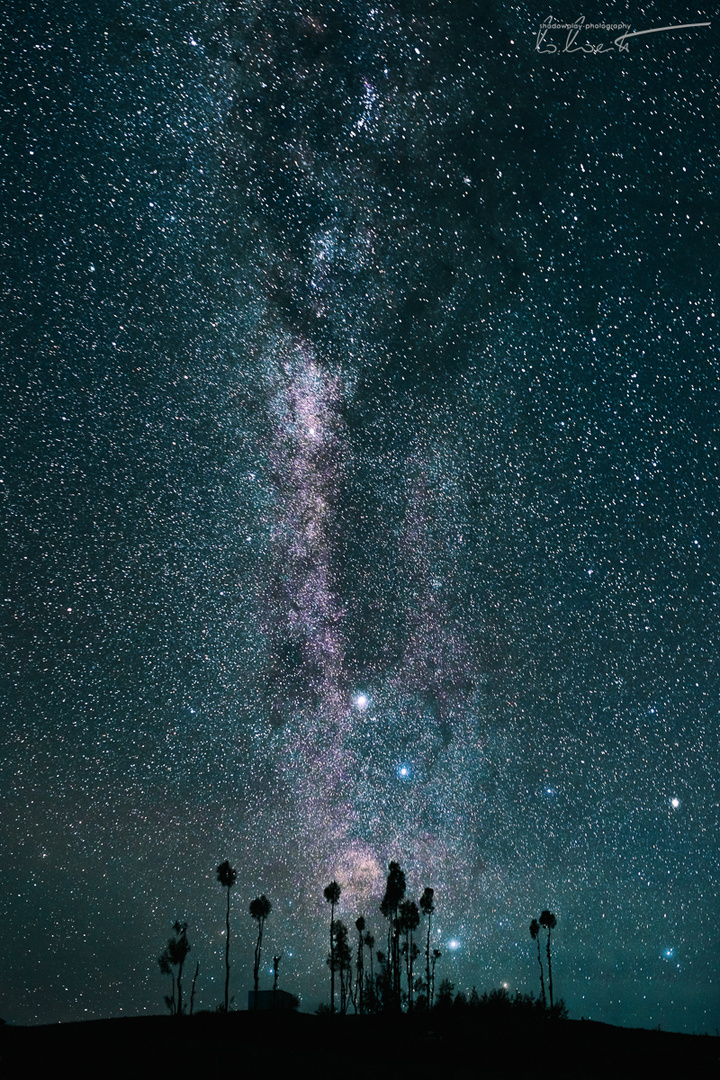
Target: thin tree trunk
(398,972)
(360,972)
(542,974)
(411,961)
(373,995)
(179,987)
(550,971)
(227,950)
(427,960)
(332,957)
(394,959)
(256,972)
(192,988)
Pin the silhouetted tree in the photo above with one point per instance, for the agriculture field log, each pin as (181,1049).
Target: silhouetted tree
(498,1003)
(260,908)
(535,935)
(165,969)
(174,956)
(409,920)
(549,922)
(427,906)
(340,957)
(394,894)
(383,982)
(332,895)
(360,963)
(226,876)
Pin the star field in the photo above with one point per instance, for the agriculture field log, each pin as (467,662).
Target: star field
(360,496)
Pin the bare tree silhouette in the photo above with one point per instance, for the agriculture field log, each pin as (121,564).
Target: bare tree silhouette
(260,908)
(332,895)
(226,876)
(549,922)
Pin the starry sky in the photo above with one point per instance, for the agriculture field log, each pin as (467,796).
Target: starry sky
(359,494)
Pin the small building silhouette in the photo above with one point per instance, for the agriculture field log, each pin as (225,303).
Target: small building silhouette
(280,1000)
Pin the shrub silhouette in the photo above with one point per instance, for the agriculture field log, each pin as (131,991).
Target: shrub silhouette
(174,956)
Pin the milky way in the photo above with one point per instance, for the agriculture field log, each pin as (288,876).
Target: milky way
(360,478)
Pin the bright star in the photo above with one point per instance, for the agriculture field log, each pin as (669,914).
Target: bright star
(361,702)
(674,803)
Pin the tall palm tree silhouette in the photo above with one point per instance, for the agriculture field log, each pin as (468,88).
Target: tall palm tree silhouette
(226,876)
(260,908)
(332,895)
(549,922)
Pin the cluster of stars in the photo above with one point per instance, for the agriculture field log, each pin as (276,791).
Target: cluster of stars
(359,493)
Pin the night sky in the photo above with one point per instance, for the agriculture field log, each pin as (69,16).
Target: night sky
(359,495)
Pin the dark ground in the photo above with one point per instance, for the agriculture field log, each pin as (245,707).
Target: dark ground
(244,1044)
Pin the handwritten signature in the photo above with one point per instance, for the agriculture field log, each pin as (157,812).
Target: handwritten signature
(620,44)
